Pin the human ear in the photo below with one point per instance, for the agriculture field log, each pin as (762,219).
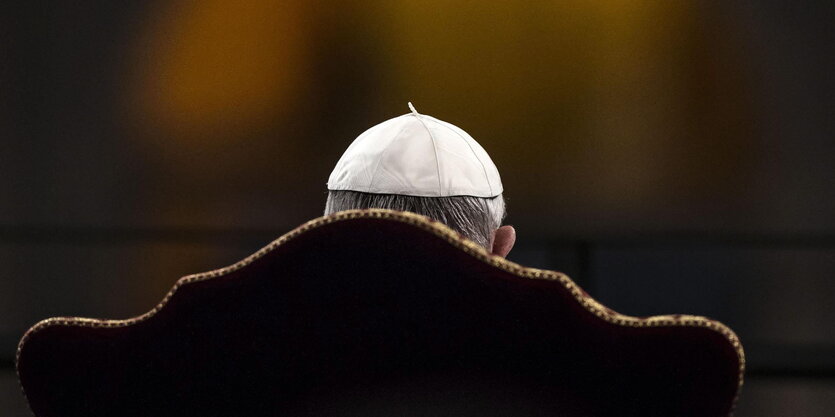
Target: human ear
(503,240)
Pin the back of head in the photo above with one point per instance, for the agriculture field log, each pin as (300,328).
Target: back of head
(420,164)
(474,217)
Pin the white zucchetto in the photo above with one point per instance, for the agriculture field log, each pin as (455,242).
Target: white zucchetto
(417,155)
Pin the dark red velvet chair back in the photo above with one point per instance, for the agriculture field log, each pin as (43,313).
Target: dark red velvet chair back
(377,313)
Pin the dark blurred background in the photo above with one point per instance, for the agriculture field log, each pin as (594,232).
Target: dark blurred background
(672,157)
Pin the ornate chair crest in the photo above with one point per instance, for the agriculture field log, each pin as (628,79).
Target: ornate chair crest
(378,312)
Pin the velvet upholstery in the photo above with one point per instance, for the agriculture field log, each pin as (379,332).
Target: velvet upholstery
(377,312)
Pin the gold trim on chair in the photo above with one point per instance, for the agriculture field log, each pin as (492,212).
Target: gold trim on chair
(444,232)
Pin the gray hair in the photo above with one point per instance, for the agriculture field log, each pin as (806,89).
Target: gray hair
(474,217)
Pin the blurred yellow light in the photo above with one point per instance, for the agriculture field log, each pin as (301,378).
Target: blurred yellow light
(213,66)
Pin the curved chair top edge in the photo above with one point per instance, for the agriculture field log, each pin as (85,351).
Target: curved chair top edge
(440,230)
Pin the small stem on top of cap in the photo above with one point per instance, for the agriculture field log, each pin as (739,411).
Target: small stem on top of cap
(412,108)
